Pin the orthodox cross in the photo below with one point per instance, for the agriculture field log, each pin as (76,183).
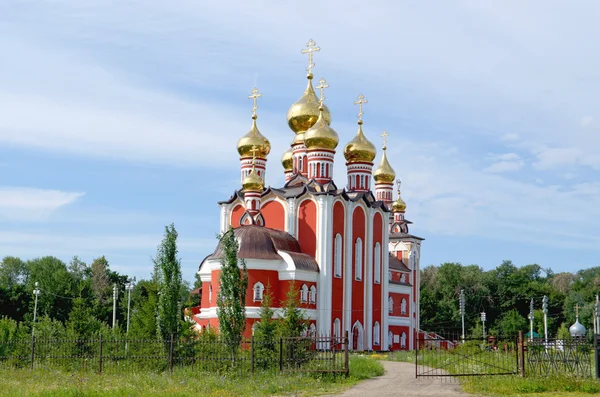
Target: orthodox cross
(577,310)
(255,95)
(311,47)
(384,135)
(322,85)
(398,182)
(360,101)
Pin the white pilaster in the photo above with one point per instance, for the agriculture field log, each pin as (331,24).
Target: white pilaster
(224,225)
(368,302)
(349,246)
(291,217)
(324,261)
(385,285)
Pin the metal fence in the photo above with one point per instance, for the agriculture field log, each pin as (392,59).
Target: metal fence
(323,354)
(551,357)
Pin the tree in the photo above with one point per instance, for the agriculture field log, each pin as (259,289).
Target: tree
(13,272)
(265,331)
(169,268)
(100,281)
(231,301)
(511,323)
(293,322)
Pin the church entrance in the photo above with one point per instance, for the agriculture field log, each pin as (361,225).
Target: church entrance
(357,336)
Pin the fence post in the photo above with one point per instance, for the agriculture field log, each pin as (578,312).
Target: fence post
(597,354)
(252,354)
(280,354)
(171,355)
(521,353)
(346,355)
(32,349)
(100,359)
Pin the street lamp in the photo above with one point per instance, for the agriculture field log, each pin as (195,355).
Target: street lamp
(531,318)
(545,309)
(483,321)
(129,288)
(36,292)
(461,303)
(115,295)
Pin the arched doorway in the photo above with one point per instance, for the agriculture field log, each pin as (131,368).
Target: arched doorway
(357,336)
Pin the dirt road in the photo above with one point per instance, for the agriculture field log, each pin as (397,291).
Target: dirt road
(399,380)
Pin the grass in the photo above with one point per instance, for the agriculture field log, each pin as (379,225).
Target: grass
(19,382)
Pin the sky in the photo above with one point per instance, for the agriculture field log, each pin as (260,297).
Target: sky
(120,117)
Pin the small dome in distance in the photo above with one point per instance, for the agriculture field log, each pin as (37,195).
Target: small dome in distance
(287,160)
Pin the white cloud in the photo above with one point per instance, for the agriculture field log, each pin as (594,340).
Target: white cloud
(510,137)
(504,162)
(32,204)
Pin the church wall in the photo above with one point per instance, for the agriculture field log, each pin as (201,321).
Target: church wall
(284,287)
(358,232)
(397,339)
(236,215)
(307,227)
(337,302)
(268,278)
(215,277)
(273,213)
(397,308)
(378,226)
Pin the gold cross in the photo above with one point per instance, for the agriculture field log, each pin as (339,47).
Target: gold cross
(398,182)
(311,47)
(255,95)
(322,85)
(360,101)
(577,310)
(384,135)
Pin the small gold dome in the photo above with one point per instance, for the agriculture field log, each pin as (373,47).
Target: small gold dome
(384,173)
(253,182)
(321,135)
(254,138)
(360,149)
(287,160)
(303,114)
(399,205)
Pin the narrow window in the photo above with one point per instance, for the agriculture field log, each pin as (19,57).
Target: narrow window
(337,328)
(304,293)
(313,294)
(377,264)
(376,333)
(258,292)
(403,306)
(390,304)
(358,260)
(337,271)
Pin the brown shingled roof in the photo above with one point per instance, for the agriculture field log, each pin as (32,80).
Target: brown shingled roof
(397,264)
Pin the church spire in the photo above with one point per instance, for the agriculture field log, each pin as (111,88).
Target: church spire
(253,139)
(359,154)
(384,175)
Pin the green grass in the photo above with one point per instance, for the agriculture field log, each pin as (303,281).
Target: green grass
(20,382)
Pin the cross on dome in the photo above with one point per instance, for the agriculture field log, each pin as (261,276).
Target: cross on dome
(360,101)
(311,47)
(398,183)
(322,85)
(384,135)
(255,95)
(577,310)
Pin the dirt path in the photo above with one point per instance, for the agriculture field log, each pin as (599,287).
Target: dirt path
(399,380)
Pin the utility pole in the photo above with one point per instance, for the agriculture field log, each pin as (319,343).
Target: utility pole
(597,313)
(115,293)
(545,309)
(129,288)
(531,320)
(461,304)
(483,321)
(36,292)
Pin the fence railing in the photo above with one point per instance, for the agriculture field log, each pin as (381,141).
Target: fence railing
(325,354)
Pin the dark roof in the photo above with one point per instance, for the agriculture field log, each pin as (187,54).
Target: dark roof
(405,236)
(399,282)
(397,264)
(258,242)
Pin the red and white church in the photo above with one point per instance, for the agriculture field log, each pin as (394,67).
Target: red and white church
(347,249)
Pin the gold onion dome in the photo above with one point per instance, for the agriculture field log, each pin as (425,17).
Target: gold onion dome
(321,135)
(251,139)
(304,113)
(287,160)
(384,173)
(360,149)
(253,182)
(399,205)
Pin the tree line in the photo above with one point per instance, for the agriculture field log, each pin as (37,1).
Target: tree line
(504,294)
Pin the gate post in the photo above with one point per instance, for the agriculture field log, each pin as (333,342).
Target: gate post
(346,355)
(251,354)
(597,354)
(100,358)
(521,354)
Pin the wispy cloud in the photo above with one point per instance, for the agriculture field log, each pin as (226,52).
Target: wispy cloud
(32,204)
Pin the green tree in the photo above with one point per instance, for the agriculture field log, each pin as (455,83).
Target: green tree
(82,323)
(511,323)
(265,332)
(231,301)
(169,290)
(293,323)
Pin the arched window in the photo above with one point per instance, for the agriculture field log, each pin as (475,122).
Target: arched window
(366,182)
(337,328)
(403,278)
(403,341)
(358,260)
(362,181)
(312,330)
(390,339)
(209,293)
(390,275)
(337,268)
(376,334)
(258,288)
(255,326)
(304,293)
(313,294)
(390,304)
(299,163)
(403,306)
(316,174)
(377,264)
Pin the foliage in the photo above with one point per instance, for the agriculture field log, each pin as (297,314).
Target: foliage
(265,332)
(293,323)
(231,301)
(169,267)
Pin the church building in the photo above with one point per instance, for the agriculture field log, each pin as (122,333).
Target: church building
(347,249)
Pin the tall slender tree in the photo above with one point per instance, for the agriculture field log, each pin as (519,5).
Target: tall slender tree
(169,267)
(231,300)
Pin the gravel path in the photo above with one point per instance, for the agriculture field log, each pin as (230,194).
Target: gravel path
(399,380)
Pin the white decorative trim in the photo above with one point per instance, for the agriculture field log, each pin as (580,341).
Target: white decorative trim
(254,312)
(399,321)
(400,289)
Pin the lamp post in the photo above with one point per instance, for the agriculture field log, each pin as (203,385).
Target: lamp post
(483,321)
(129,288)
(115,294)
(597,313)
(36,292)
(461,303)
(531,320)
(545,309)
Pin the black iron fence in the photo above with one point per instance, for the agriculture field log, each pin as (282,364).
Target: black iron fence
(449,355)
(302,354)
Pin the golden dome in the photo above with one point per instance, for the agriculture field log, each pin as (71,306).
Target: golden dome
(399,205)
(321,135)
(287,160)
(253,182)
(384,173)
(303,114)
(360,149)
(253,138)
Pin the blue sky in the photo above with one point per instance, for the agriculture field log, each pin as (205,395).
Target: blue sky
(107,107)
